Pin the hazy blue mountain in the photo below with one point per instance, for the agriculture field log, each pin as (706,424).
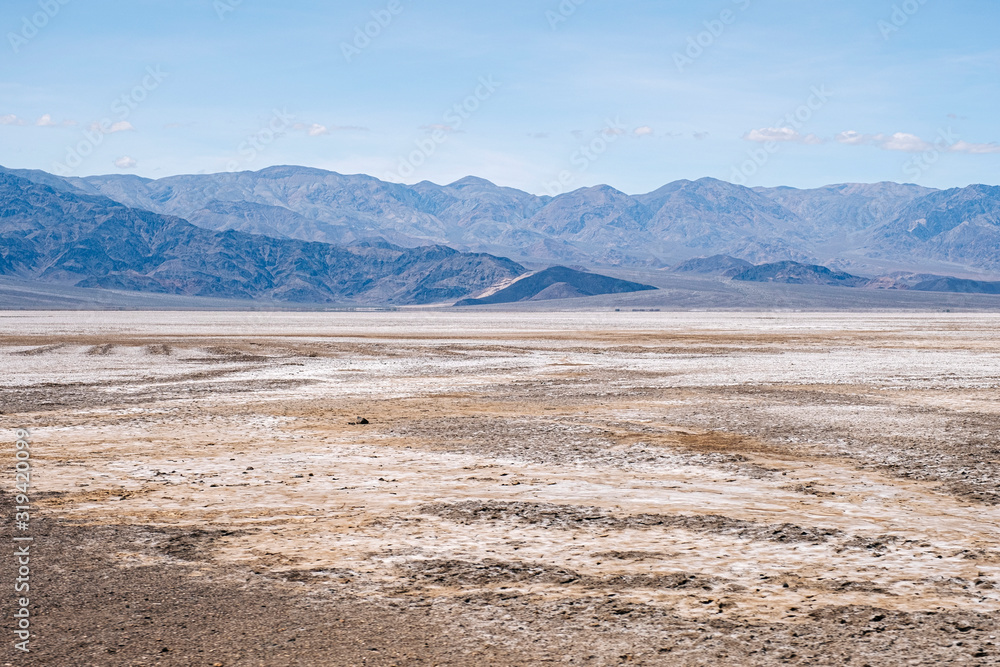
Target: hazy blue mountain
(866,228)
(268,220)
(471,201)
(605,223)
(709,215)
(83,240)
(369,207)
(960,226)
(557,282)
(836,211)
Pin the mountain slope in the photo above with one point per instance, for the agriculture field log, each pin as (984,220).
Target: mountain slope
(557,282)
(91,241)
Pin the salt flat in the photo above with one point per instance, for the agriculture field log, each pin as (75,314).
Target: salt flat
(589,488)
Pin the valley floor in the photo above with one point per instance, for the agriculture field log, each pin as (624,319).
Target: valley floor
(530,488)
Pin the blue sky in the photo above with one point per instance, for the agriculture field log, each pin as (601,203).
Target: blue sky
(542,95)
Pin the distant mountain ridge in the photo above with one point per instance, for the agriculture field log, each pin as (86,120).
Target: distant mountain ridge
(867,228)
(74,239)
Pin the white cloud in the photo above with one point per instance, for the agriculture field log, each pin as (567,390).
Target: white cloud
(852,138)
(126,162)
(120,126)
(643,131)
(10,119)
(903,142)
(45,121)
(316,130)
(786,134)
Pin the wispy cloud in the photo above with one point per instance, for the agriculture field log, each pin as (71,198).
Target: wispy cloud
(852,138)
(975,149)
(902,142)
(905,142)
(440,127)
(126,162)
(319,130)
(783,134)
(898,141)
(643,131)
(312,129)
(43,121)
(105,128)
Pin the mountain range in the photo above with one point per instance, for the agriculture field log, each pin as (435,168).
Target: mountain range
(304,235)
(866,228)
(69,238)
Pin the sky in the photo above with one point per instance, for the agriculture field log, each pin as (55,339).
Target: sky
(543,95)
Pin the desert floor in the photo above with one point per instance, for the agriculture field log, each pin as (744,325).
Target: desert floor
(593,488)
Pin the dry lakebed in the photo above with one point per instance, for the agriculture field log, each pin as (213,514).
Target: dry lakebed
(441,488)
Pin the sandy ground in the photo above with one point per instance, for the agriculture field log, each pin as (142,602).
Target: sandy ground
(599,488)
